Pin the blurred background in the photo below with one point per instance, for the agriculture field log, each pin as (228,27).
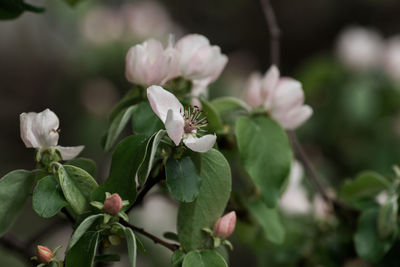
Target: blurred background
(345,53)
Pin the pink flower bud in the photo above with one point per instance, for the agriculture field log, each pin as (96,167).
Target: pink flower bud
(44,254)
(225,225)
(113,204)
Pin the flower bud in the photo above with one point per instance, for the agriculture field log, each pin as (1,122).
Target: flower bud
(44,254)
(113,204)
(225,225)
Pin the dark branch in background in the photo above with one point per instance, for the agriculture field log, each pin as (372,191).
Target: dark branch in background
(274,31)
(274,35)
(170,246)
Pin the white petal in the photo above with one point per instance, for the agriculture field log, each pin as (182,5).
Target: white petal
(287,94)
(39,129)
(161,101)
(293,118)
(202,144)
(269,81)
(174,125)
(69,152)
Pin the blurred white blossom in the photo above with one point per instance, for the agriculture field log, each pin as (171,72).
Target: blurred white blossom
(282,97)
(359,48)
(294,200)
(391,59)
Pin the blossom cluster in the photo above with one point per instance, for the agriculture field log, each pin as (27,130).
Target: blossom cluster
(362,49)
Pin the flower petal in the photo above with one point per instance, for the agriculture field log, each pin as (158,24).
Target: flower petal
(161,101)
(253,90)
(174,125)
(269,83)
(202,144)
(69,152)
(293,118)
(39,129)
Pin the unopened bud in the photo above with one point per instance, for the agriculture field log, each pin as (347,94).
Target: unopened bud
(225,225)
(113,204)
(44,254)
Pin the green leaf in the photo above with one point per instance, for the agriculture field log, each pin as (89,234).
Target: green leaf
(77,186)
(145,121)
(171,236)
(183,180)
(117,125)
(107,258)
(126,159)
(210,203)
(213,116)
(268,219)
(131,244)
(15,188)
(266,155)
(82,228)
(10,9)
(85,164)
(84,251)
(48,198)
(177,258)
(204,258)
(387,218)
(367,184)
(131,98)
(151,149)
(366,239)
(229,104)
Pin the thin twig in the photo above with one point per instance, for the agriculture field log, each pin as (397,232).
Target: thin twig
(274,35)
(274,31)
(170,246)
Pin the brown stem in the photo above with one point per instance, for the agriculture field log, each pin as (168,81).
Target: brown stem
(170,246)
(274,31)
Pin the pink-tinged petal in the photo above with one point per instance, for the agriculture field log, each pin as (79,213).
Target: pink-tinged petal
(293,118)
(44,254)
(225,225)
(253,90)
(174,125)
(69,152)
(269,83)
(39,130)
(202,144)
(161,101)
(287,94)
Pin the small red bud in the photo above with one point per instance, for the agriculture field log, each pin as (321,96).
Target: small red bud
(44,254)
(225,225)
(113,204)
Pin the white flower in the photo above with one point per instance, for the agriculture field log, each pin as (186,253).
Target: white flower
(359,48)
(283,98)
(40,130)
(392,58)
(295,200)
(179,123)
(149,63)
(198,59)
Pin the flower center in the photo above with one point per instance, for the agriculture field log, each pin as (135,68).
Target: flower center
(194,120)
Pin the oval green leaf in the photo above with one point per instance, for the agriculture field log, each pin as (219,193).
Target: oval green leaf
(183,180)
(77,186)
(204,258)
(85,164)
(145,121)
(209,205)
(84,251)
(48,198)
(117,125)
(266,155)
(82,228)
(15,188)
